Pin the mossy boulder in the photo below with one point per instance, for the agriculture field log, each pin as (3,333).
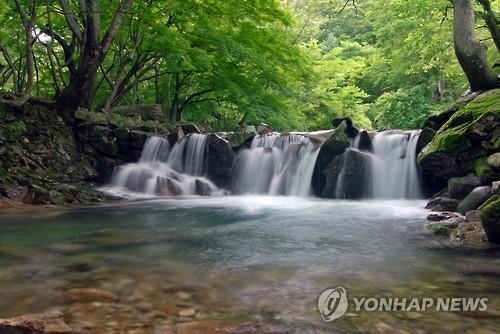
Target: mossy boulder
(490,219)
(486,173)
(464,138)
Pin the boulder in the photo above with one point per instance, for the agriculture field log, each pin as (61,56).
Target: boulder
(22,325)
(86,295)
(351,167)
(458,143)
(440,216)
(424,139)
(219,162)
(445,226)
(104,168)
(364,141)
(147,112)
(495,188)
(138,138)
(486,173)
(20,194)
(490,219)
(473,216)
(494,160)
(443,203)
(334,146)
(264,128)
(345,124)
(91,118)
(459,187)
(202,188)
(188,128)
(474,199)
(101,138)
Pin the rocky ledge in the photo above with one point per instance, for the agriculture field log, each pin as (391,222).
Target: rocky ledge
(462,165)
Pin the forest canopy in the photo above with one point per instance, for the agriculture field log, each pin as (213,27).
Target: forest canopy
(294,64)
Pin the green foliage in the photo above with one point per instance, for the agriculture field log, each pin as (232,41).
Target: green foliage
(12,132)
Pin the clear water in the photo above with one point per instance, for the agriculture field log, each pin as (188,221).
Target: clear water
(265,257)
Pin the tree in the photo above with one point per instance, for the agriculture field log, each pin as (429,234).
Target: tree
(470,53)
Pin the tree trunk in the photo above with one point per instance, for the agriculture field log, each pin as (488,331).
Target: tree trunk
(470,53)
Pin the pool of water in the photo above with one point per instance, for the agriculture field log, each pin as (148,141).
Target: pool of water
(248,258)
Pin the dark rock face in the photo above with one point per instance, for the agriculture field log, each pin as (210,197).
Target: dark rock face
(334,146)
(425,137)
(490,219)
(474,199)
(345,124)
(202,188)
(467,136)
(351,167)
(443,203)
(459,187)
(220,159)
(365,142)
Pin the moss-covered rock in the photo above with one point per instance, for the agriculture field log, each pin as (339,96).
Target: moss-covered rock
(490,219)
(458,143)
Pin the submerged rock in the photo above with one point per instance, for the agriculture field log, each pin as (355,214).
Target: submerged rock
(86,295)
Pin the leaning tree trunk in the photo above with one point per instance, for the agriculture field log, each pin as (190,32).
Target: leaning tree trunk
(470,53)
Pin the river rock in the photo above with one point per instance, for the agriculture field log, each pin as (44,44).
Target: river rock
(138,138)
(485,171)
(490,219)
(474,199)
(86,295)
(334,146)
(353,164)
(205,327)
(494,160)
(220,159)
(495,188)
(263,129)
(345,124)
(365,142)
(459,187)
(440,216)
(473,216)
(445,226)
(443,203)
(202,188)
(22,325)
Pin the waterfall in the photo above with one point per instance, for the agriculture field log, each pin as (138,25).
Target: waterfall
(277,164)
(393,168)
(165,170)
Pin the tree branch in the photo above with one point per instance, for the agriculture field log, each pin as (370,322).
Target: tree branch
(113,28)
(71,20)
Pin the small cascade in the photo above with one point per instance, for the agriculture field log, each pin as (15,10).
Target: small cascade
(164,170)
(277,164)
(394,172)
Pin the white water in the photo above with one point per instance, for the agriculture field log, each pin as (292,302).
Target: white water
(277,164)
(166,171)
(394,172)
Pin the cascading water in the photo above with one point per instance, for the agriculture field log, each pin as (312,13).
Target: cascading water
(394,172)
(162,170)
(389,172)
(277,164)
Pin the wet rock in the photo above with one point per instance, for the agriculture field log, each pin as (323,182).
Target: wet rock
(485,171)
(444,227)
(91,118)
(188,128)
(205,327)
(440,216)
(365,142)
(202,188)
(188,312)
(264,128)
(86,295)
(424,138)
(334,146)
(443,204)
(459,187)
(474,199)
(54,323)
(22,325)
(220,159)
(351,168)
(345,124)
(490,219)
(138,138)
(147,112)
(104,168)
